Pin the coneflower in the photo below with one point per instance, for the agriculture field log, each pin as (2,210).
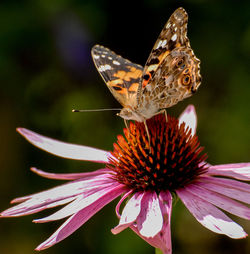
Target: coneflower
(146,177)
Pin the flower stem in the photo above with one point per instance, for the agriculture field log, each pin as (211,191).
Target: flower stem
(158,251)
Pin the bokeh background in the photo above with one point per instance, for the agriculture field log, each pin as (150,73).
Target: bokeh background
(46,70)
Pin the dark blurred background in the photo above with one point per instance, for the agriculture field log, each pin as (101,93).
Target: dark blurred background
(46,70)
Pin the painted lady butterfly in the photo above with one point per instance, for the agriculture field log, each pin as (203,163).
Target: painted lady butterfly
(171,73)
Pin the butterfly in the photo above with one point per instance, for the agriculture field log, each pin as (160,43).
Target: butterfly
(171,73)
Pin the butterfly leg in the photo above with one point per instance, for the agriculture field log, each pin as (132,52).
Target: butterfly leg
(126,125)
(147,131)
(163,111)
(166,114)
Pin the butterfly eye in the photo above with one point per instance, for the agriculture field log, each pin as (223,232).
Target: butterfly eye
(186,80)
(127,113)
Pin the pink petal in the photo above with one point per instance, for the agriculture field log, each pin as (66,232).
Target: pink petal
(162,240)
(20,199)
(78,219)
(50,198)
(96,176)
(210,216)
(227,187)
(150,220)
(165,235)
(159,241)
(239,171)
(17,211)
(189,117)
(219,200)
(245,187)
(65,150)
(165,199)
(129,213)
(72,176)
(81,202)
(117,208)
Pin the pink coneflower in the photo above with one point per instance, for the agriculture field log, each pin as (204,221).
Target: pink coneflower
(147,181)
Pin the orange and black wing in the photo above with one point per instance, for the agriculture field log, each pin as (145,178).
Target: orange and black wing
(121,76)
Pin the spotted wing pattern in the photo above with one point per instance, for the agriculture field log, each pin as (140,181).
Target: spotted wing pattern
(121,76)
(172,72)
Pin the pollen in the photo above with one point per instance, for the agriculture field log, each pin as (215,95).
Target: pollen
(176,158)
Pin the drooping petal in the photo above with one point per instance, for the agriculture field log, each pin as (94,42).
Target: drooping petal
(239,171)
(81,202)
(50,198)
(189,117)
(162,240)
(69,176)
(117,208)
(17,210)
(78,219)
(219,200)
(210,216)
(150,220)
(129,213)
(65,150)
(227,187)
(165,235)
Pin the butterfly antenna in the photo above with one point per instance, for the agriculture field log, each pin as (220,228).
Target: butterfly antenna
(96,110)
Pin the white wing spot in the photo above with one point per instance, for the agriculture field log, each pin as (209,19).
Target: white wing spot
(116,62)
(174,37)
(159,44)
(110,58)
(164,43)
(96,56)
(168,25)
(104,67)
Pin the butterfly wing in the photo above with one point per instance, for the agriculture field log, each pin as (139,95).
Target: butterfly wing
(171,72)
(120,75)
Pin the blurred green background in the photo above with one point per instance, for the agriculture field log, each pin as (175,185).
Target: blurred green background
(46,71)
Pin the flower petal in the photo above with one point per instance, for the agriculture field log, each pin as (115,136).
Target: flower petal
(78,219)
(162,240)
(65,150)
(72,176)
(210,216)
(165,234)
(159,241)
(129,213)
(81,202)
(219,200)
(239,171)
(150,220)
(50,198)
(17,211)
(124,196)
(227,187)
(189,117)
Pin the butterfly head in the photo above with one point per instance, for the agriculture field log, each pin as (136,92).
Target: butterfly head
(128,113)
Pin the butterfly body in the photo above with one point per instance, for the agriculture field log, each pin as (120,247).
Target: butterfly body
(171,73)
